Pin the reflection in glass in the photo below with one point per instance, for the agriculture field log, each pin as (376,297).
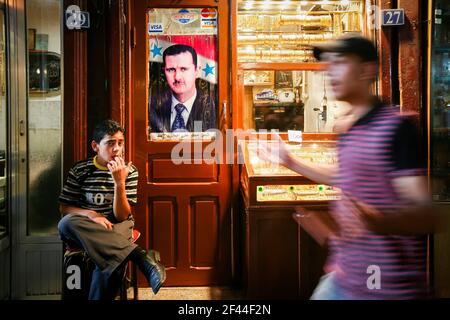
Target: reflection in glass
(283,31)
(440,101)
(289,100)
(182,70)
(44,116)
(320,153)
(3,130)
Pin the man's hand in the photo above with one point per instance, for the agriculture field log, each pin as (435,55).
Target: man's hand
(119,170)
(369,216)
(275,151)
(319,225)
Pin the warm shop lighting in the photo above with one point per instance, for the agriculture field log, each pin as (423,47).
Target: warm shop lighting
(248,5)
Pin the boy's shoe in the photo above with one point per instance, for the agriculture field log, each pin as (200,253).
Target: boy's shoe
(153,269)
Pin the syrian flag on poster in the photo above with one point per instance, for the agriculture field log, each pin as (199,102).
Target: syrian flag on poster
(204,45)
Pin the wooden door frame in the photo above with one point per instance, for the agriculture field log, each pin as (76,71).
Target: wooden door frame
(75,92)
(223,90)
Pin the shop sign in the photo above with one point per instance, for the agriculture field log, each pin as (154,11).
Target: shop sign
(295,136)
(393,17)
(76,19)
(184,16)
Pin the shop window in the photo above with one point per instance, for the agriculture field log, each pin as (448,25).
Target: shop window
(440,101)
(3,131)
(44,21)
(284,88)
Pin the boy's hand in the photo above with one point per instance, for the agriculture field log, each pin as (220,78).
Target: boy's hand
(101,220)
(119,170)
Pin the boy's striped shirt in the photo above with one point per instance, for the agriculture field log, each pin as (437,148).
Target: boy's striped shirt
(92,188)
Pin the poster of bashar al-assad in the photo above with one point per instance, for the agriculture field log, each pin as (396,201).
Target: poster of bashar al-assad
(182,66)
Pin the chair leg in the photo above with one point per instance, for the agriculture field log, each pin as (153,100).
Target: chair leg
(124,285)
(123,291)
(134,281)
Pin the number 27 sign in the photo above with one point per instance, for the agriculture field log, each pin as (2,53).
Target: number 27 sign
(393,17)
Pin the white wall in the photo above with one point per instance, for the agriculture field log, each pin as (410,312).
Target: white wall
(44,16)
(315,92)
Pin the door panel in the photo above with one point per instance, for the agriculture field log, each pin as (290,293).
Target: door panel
(183,209)
(164,170)
(163,218)
(205,217)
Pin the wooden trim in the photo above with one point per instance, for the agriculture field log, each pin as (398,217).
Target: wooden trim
(384,48)
(430,257)
(313,66)
(130,44)
(75,92)
(428,93)
(117,81)
(410,58)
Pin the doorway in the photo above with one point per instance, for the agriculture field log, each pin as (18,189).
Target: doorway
(184,209)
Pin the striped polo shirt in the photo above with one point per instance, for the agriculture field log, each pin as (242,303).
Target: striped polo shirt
(89,186)
(380,146)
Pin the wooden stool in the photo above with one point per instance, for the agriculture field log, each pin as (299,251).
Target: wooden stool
(81,257)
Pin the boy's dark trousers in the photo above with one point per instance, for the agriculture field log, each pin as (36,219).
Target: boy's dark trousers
(101,265)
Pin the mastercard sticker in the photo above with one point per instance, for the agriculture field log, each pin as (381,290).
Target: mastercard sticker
(208,18)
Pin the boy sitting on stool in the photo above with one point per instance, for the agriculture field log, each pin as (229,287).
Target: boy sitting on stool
(95,204)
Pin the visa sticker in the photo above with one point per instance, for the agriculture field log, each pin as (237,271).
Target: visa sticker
(155,28)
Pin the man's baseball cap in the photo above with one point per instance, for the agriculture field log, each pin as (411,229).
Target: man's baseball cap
(351,43)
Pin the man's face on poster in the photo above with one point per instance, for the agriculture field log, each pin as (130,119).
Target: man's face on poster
(181,74)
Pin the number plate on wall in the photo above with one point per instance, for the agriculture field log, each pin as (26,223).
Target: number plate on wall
(393,17)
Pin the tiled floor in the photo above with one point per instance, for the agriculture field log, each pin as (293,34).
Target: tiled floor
(189,293)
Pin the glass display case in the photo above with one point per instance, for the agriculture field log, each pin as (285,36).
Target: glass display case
(265,181)
(283,31)
(283,87)
(440,101)
(270,194)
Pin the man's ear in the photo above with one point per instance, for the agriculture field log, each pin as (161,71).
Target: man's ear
(369,71)
(198,72)
(94,145)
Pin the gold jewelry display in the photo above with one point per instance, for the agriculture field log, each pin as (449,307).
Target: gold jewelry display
(270,32)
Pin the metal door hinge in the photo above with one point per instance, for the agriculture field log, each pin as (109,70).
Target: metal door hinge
(21,128)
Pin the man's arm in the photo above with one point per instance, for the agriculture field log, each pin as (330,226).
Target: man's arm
(319,225)
(323,174)
(418,218)
(277,152)
(93,215)
(410,185)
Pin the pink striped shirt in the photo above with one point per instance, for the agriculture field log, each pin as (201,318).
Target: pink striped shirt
(368,160)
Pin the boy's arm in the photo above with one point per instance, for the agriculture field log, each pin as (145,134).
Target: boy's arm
(119,171)
(91,214)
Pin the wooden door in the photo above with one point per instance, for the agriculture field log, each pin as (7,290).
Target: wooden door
(184,210)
